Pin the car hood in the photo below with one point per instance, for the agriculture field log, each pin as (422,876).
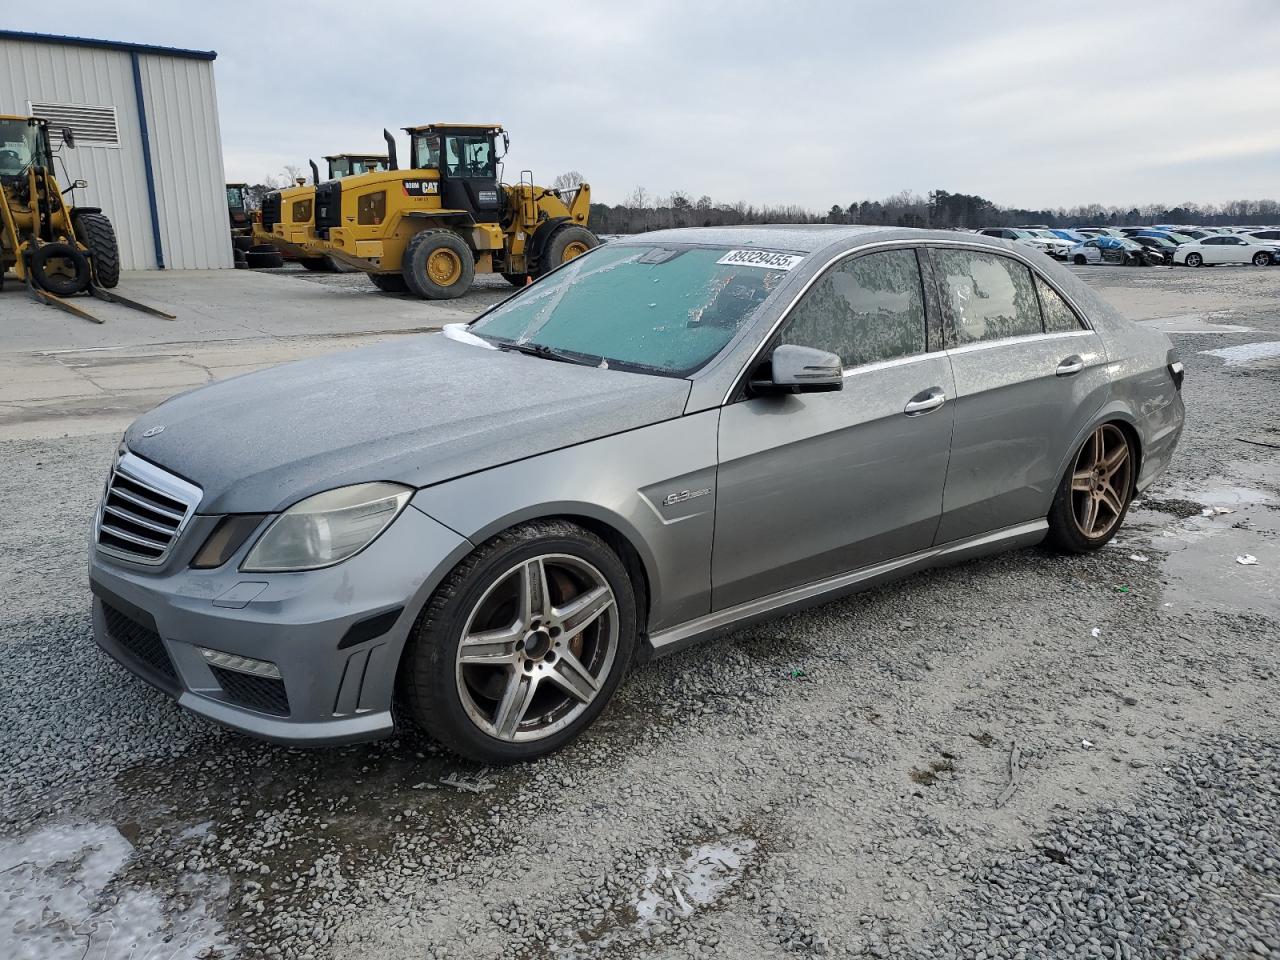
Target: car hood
(416,411)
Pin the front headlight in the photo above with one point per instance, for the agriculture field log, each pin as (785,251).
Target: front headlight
(327,528)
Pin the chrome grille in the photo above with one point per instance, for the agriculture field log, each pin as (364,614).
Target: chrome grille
(143,510)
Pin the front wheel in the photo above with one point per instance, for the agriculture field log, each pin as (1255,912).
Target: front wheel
(99,237)
(1195,260)
(567,243)
(521,647)
(438,265)
(1262,259)
(1080,260)
(1095,492)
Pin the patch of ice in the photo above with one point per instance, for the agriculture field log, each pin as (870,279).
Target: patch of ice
(460,333)
(670,893)
(58,900)
(1246,352)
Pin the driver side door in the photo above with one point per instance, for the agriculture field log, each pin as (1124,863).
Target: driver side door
(814,485)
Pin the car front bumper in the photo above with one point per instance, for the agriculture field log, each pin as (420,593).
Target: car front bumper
(334,636)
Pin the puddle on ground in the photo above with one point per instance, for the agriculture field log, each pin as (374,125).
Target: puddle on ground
(1192,323)
(1200,569)
(1246,353)
(63,895)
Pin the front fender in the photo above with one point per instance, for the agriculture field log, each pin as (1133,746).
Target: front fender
(623,481)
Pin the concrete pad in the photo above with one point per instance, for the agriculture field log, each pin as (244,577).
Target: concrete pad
(214,305)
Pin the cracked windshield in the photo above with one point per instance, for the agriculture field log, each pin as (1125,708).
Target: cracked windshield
(666,310)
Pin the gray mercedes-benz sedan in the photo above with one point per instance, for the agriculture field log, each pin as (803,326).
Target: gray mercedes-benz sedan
(672,436)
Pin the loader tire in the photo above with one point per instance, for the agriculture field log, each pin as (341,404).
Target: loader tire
(241,243)
(389,282)
(438,265)
(96,233)
(264,259)
(60,284)
(568,242)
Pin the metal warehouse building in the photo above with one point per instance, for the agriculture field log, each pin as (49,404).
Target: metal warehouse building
(145,120)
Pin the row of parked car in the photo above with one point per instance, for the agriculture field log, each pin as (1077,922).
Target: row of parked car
(1150,246)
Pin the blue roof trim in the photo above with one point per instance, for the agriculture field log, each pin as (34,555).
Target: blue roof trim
(109,45)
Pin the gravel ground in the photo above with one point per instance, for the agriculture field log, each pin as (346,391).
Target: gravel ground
(1026,756)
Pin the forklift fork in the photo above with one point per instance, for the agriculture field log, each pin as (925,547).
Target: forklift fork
(44,296)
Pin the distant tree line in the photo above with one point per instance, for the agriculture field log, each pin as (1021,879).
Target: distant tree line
(940,209)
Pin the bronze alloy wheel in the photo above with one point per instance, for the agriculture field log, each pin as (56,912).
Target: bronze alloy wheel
(537,648)
(1100,481)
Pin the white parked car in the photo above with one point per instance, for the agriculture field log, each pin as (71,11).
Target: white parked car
(1054,246)
(1224,248)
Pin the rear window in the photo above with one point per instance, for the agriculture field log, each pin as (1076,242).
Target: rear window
(666,310)
(990,297)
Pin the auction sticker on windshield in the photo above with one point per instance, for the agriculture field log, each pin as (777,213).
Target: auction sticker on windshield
(765,259)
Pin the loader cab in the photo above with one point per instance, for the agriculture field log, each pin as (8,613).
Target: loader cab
(237,209)
(353,164)
(24,143)
(466,158)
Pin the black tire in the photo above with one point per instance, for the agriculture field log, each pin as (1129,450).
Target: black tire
(1261,259)
(60,285)
(261,248)
(240,264)
(1080,260)
(424,251)
(94,230)
(241,243)
(1194,260)
(316,264)
(264,260)
(389,282)
(566,239)
(516,279)
(1064,531)
(428,673)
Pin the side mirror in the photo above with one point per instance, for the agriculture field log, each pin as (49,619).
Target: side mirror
(81,184)
(795,369)
(68,138)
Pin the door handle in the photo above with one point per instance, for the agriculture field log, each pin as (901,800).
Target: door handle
(1070,366)
(925,402)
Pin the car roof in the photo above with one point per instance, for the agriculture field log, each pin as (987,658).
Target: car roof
(800,237)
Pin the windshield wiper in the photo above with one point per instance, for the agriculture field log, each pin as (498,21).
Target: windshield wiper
(545,352)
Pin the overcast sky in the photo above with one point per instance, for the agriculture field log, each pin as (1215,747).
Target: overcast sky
(813,103)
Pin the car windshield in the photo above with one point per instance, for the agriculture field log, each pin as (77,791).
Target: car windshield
(1021,234)
(19,144)
(658,309)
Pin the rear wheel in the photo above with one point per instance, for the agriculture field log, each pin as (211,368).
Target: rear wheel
(522,646)
(97,234)
(438,265)
(567,243)
(1094,495)
(389,282)
(1195,260)
(1261,259)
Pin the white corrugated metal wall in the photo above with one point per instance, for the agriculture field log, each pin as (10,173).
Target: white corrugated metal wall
(186,147)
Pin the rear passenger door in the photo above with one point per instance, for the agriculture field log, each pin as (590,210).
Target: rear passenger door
(1029,377)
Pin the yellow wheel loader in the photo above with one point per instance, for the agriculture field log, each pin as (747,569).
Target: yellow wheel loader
(288,216)
(429,229)
(57,249)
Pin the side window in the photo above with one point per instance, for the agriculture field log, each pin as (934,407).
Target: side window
(865,310)
(990,297)
(1058,317)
